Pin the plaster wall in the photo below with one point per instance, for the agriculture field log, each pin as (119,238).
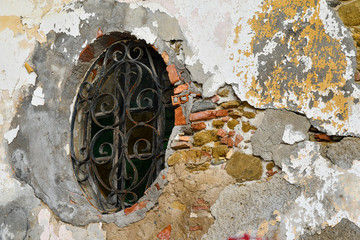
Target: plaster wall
(285,55)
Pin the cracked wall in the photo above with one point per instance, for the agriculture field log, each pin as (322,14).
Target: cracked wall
(258,149)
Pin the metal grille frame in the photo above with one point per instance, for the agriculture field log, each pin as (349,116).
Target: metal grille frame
(110,100)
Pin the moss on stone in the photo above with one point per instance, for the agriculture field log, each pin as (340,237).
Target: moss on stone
(218,123)
(220,151)
(204,137)
(230,104)
(244,167)
(270,166)
(235,114)
(223,92)
(249,115)
(246,126)
(177,157)
(232,123)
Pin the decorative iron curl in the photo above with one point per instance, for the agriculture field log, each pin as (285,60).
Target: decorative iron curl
(120,68)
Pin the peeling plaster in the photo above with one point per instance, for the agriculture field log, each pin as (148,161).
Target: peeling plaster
(11,134)
(66,21)
(145,33)
(330,192)
(38,97)
(291,136)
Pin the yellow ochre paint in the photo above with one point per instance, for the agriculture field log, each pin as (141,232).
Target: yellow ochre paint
(329,58)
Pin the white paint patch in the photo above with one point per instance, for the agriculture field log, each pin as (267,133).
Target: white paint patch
(291,136)
(151,6)
(5,233)
(11,135)
(66,21)
(329,193)
(1,119)
(145,33)
(13,73)
(67,149)
(38,97)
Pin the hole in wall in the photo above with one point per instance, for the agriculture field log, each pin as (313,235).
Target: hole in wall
(122,118)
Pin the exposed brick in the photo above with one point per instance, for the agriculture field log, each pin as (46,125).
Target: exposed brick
(199,207)
(157,186)
(196,228)
(221,133)
(201,201)
(165,57)
(238,139)
(221,113)
(180,88)
(184,138)
(322,137)
(198,126)
(225,119)
(357,76)
(230,142)
(173,74)
(165,233)
(135,207)
(231,133)
(99,33)
(179,117)
(87,54)
(204,115)
(215,98)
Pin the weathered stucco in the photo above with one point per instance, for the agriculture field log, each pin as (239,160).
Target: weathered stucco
(285,55)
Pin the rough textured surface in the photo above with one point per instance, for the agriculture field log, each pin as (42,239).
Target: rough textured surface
(267,141)
(202,105)
(350,13)
(344,152)
(344,230)
(244,167)
(293,55)
(243,208)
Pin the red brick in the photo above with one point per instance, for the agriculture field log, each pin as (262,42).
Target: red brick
(225,119)
(99,33)
(196,228)
(200,207)
(179,117)
(135,207)
(165,57)
(238,139)
(173,74)
(201,201)
(198,126)
(221,113)
(231,133)
(215,98)
(357,76)
(322,137)
(184,138)
(180,88)
(157,186)
(224,140)
(204,115)
(221,133)
(230,142)
(87,54)
(165,233)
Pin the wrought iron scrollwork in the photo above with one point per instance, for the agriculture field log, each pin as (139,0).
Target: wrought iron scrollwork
(118,125)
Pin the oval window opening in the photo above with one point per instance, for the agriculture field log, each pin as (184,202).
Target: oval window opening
(121,121)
